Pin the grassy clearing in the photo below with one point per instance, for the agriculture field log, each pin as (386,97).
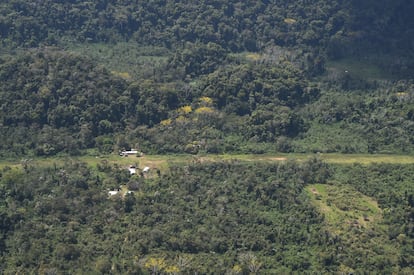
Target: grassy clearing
(367,158)
(354,218)
(162,162)
(335,158)
(344,207)
(125,59)
(366,69)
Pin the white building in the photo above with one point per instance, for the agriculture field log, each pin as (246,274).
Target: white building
(132,152)
(132,170)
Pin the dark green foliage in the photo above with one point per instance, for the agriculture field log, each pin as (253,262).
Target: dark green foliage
(203,77)
(391,186)
(264,100)
(374,122)
(198,59)
(55,102)
(235,25)
(242,89)
(62,100)
(61,217)
(218,214)
(346,27)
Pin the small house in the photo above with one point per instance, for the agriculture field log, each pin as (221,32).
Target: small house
(132,170)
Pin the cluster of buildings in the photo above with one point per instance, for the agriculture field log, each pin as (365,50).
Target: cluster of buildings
(132,171)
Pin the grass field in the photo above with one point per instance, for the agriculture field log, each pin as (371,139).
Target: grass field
(353,217)
(367,68)
(125,59)
(163,161)
(344,207)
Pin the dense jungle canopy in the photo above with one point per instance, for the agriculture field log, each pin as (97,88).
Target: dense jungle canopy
(92,78)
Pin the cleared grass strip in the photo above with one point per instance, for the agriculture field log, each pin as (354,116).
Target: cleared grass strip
(163,161)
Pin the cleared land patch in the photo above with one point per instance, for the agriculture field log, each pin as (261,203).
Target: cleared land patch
(163,161)
(353,220)
(344,207)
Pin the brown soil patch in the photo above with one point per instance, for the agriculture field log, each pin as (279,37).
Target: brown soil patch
(314,191)
(278,159)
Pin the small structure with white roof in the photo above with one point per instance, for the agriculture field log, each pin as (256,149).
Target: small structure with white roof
(113,193)
(132,152)
(132,170)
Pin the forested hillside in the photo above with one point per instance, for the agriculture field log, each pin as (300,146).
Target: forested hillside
(235,25)
(207,218)
(92,78)
(168,76)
